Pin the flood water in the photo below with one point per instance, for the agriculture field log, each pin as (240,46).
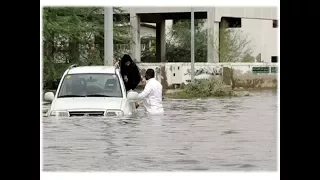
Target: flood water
(229,134)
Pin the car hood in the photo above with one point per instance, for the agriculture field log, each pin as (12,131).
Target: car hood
(90,103)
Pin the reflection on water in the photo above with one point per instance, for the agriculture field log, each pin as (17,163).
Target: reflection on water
(237,134)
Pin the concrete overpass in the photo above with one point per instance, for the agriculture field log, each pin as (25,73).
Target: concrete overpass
(213,15)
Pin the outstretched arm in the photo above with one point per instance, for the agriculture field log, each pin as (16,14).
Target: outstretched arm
(147,90)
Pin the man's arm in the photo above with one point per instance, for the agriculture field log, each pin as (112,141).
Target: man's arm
(147,90)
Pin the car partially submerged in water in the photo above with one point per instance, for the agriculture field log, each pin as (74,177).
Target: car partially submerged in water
(91,91)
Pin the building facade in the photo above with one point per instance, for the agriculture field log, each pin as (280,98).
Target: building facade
(258,23)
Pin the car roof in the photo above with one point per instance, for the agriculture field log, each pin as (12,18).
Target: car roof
(92,69)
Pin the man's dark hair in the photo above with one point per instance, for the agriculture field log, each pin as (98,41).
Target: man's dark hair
(150,73)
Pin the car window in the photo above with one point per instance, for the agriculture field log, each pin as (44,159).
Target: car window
(90,85)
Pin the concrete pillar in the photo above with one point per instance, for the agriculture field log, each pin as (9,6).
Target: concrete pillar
(108,34)
(135,45)
(213,37)
(216,45)
(161,41)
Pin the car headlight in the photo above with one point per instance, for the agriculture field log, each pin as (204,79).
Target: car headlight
(114,113)
(59,113)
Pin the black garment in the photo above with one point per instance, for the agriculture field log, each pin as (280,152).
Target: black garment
(131,71)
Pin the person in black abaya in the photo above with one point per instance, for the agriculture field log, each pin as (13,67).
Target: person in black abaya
(129,72)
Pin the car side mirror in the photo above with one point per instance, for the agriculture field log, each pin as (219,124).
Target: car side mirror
(49,96)
(132,96)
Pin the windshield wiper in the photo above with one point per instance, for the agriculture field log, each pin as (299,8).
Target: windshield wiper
(71,95)
(98,95)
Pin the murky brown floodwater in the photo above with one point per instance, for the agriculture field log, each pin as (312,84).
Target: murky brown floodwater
(238,134)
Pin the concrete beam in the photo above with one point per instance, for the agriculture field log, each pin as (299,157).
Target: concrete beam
(242,12)
(150,18)
(141,10)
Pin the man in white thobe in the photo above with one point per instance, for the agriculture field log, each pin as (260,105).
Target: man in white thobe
(152,94)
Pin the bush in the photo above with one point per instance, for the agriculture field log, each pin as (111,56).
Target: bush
(204,88)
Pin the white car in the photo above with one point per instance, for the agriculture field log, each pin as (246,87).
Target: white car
(91,91)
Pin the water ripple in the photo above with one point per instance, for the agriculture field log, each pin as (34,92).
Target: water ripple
(228,134)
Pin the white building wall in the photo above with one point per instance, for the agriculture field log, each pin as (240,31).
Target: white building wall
(263,37)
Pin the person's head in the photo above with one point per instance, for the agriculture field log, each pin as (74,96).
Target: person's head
(126,60)
(149,74)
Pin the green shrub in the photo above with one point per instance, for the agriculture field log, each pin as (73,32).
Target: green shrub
(204,88)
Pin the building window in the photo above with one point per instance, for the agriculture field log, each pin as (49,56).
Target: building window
(231,22)
(274,59)
(275,23)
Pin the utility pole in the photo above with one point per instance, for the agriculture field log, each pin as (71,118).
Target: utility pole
(192,45)
(108,36)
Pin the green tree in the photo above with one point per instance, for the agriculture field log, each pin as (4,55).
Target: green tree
(233,45)
(248,58)
(178,44)
(76,35)
(258,57)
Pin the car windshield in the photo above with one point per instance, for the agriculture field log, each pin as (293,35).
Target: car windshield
(90,85)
